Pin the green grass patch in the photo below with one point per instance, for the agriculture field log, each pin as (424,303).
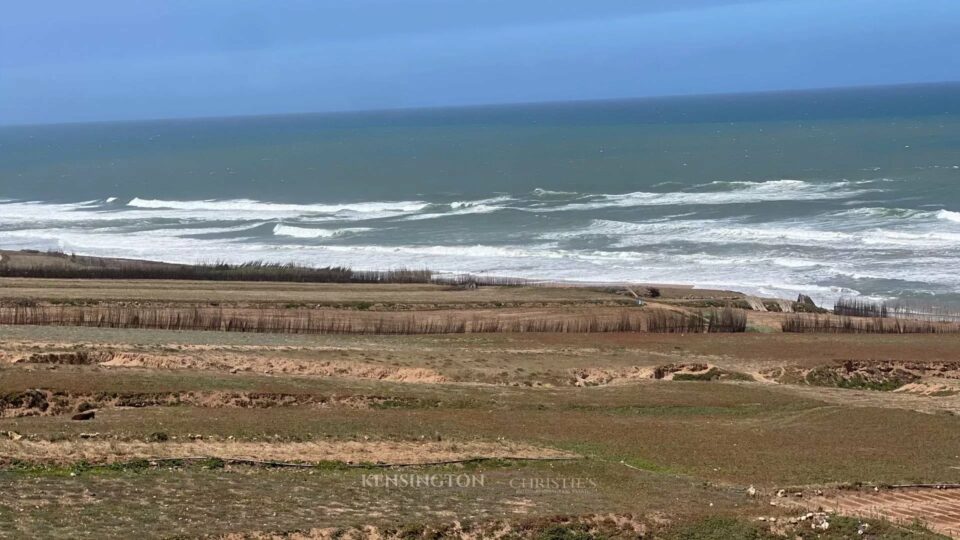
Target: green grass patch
(744,409)
(718,528)
(647,465)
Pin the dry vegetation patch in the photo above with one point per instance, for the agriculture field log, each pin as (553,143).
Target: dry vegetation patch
(881,375)
(269,363)
(612,526)
(95,451)
(681,371)
(39,402)
(273,364)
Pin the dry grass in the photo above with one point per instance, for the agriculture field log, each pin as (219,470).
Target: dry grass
(374,296)
(300,321)
(314,452)
(309,321)
(857,307)
(863,325)
(58,265)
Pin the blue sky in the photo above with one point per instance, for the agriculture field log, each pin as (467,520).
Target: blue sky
(65,61)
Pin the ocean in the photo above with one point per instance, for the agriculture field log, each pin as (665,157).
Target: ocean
(827,193)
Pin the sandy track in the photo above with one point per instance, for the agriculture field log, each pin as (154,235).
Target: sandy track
(219,361)
(873,398)
(322,368)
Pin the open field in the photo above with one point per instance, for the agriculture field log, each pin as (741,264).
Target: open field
(613,434)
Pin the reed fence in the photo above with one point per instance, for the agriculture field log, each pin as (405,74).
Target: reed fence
(306,321)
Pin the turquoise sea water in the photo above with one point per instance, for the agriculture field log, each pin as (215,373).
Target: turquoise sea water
(833,192)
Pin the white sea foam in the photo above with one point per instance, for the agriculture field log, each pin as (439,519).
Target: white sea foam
(770,270)
(949,216)
(461,205)
(777,233)
(740,193)
(31,212)
(248,205)
(540,192)
(306,232)
(459,208)
(691,245)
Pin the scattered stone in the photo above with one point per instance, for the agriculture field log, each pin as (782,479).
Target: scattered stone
(798,494)
(820,522)
(89,435)
(157,437)
(84,406)
(85,415)
(752,491)
(781,493)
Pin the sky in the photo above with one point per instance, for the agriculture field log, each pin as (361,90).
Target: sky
(101,60)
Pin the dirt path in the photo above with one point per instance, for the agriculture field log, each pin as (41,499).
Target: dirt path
(873,398)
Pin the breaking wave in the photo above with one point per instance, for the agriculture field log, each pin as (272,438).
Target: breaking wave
(730,234)
(719,193)
(459,208)
(949,216)
(306,232)
(268,208)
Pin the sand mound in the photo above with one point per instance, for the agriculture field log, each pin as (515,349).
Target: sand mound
(229,361)
(931,389)
(667,372)
(868,375)
(261,364)
(61,358)
(607,376)
(50,403)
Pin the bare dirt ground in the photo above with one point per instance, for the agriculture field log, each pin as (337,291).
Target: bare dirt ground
(937,509)
(670,430)
(343,295)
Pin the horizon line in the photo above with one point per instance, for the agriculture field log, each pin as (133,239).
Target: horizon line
(417,109)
